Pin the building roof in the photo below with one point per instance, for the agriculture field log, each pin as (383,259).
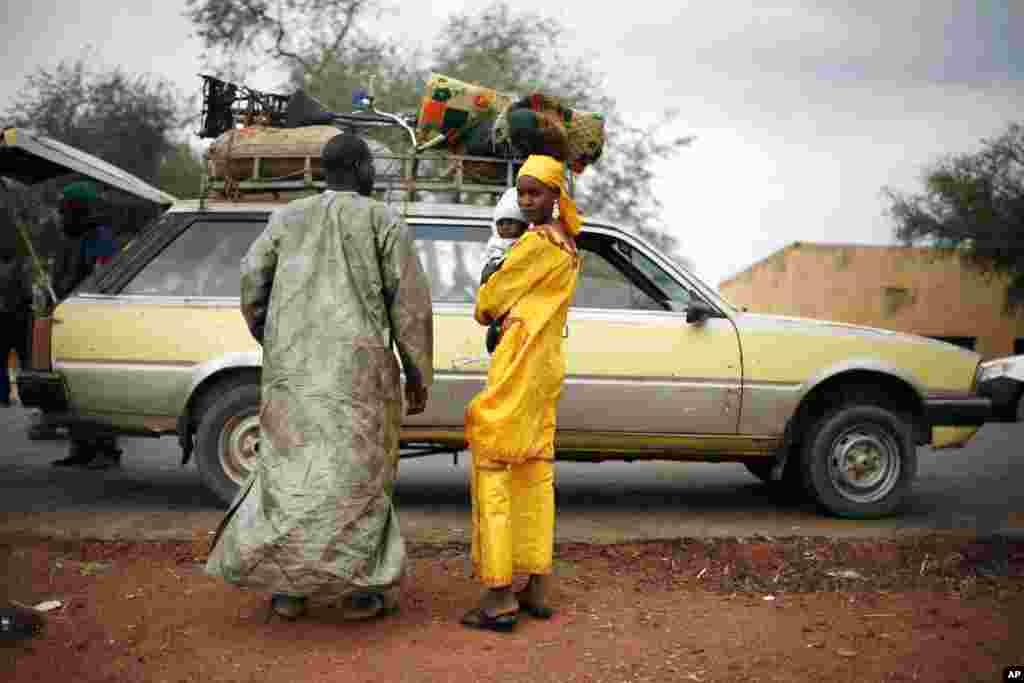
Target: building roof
(819,246)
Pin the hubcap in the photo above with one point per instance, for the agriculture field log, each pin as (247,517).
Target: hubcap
(240,446)
(864,464)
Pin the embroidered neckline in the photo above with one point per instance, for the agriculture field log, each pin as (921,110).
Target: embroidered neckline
(563,242)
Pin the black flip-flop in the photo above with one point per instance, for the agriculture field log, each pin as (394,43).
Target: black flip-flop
(478,618)
(362,606)
(535,611)
(76,460)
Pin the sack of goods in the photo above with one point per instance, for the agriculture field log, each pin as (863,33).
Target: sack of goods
(478,121)
(270,155)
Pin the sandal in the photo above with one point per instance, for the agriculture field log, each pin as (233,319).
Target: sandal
(535,611)
(361,606)
(287,606)
(105,461)
(478,618)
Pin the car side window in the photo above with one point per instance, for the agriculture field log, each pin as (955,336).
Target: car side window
(603,282)
(670,288)
(452,257)
(203,261)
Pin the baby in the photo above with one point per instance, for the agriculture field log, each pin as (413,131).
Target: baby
(509,226)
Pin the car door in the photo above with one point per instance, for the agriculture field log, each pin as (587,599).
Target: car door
(131,352)
(451,254)
(634,364)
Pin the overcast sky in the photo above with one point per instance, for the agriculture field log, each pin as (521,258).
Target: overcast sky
(802,110)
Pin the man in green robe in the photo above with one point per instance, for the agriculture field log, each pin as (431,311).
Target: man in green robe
(332,283)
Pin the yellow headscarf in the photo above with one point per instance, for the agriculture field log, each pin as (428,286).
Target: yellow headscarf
(551,172)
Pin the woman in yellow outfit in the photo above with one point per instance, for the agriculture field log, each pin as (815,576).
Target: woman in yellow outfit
(510,425)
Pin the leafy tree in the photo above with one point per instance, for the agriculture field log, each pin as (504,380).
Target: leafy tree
(125,120)
(517,52)
(181,172)
(307,35)
(329,54)
(973,205)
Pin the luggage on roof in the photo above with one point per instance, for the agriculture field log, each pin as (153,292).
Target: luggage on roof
(467,139)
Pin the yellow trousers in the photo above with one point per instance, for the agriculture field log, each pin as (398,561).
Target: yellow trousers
(513,519)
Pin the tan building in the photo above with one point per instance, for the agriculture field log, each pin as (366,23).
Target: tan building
(908,289)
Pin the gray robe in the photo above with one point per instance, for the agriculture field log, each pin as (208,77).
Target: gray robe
(326,287)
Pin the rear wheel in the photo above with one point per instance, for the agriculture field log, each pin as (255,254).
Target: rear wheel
(859,461)
(228,440)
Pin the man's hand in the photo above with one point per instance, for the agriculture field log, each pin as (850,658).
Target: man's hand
(415,399)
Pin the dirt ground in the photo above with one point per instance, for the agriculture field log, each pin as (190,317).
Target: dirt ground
(920,609)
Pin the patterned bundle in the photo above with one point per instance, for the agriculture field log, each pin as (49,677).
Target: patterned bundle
(479,121)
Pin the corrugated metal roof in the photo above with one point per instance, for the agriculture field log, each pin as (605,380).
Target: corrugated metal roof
(31,158)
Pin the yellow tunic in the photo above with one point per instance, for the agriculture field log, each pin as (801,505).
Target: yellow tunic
(513,419)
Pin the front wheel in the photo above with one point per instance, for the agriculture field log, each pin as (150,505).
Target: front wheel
(859,462)
(228,440)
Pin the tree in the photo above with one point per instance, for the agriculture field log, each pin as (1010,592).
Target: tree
(973,205)
(181,172)
(307,35)
(125,120)
(328,54)
(517,52)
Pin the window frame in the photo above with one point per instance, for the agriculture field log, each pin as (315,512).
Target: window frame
(698,289)
(153,243)
(631,273)
(167,227)
(467,224)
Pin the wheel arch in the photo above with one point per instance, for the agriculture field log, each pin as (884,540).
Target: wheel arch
(229,369)
(846,382)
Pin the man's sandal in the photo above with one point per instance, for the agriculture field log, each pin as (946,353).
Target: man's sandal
(361,606)
(287,607)
(478,618)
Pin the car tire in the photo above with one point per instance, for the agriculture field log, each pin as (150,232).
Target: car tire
(859,461)
(227,440)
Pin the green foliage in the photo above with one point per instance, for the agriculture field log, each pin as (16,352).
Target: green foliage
(123,119)
(309,35)
(516,53)
(973,205)
(181,172)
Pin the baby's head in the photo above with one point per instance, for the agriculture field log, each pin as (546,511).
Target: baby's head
(509,221)
(510,228)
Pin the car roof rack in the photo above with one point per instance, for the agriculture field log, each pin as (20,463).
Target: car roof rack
(414,174)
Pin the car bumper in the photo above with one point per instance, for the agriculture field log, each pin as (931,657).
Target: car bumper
(43,390)
(1003,392)
(967,411)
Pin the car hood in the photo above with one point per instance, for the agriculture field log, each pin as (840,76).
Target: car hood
(787,348)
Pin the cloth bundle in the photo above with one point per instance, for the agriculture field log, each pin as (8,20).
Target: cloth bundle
(480,121)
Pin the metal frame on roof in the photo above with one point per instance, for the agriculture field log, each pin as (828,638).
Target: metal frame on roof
(31,158)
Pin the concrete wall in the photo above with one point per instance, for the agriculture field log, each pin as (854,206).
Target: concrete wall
(898,288)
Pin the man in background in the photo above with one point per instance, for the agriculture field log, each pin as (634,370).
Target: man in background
(15,308)
(87,243)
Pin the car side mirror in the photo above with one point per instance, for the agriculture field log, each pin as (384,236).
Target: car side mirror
(698,311)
